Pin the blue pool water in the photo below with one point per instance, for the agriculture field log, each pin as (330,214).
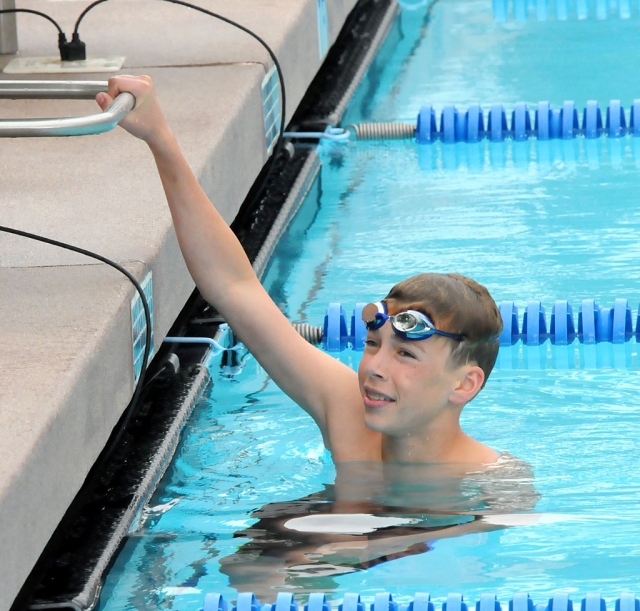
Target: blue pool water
(554,220)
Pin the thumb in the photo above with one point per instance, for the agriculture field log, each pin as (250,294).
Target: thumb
(103,100)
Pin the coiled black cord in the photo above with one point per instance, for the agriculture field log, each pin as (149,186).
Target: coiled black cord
(147,316)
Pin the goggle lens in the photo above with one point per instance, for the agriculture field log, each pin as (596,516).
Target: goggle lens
(411,324)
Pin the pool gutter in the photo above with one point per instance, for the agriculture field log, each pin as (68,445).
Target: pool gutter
(295,198)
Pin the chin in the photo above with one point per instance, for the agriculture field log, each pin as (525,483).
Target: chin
(387,425)
(376,422)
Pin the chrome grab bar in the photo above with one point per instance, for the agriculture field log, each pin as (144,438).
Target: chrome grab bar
(68,126)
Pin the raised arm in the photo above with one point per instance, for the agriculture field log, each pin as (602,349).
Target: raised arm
(225,277)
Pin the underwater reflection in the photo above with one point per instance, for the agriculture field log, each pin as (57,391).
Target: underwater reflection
(375,513)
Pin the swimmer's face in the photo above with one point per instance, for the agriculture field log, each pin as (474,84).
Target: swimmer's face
(407,386)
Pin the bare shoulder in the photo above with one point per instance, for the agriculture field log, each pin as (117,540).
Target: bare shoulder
(348,437)
(486,454)
(472,451)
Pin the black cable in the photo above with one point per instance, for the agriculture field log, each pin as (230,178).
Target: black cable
(147,315)
(278,147)
(254,35)
(279,144)
(28,10)
(84,12)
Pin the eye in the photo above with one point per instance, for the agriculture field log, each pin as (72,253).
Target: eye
(370,343)
(406,354)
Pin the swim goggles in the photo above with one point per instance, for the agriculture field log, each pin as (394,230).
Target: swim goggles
(411,325)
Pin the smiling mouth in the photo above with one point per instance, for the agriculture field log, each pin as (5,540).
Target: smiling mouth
(376,399)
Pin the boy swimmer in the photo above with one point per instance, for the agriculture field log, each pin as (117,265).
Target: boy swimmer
(431,342)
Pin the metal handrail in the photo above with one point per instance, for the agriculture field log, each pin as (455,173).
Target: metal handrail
(68,126)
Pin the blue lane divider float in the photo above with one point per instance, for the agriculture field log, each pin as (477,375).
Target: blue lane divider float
(454,602)
(583,10)
(595,324)
(318,602)
(521,602)
(562,329)
(215,602)
(247,601)
(534,324)
(334,333)
(521,122)
(351,602)
(548,123)
(383,601)
(421,602)
(593,602)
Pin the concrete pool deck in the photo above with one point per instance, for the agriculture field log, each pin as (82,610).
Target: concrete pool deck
(66,362)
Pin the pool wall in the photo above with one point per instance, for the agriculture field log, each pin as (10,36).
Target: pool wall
(66,360)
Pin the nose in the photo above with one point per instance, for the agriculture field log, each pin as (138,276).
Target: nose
(375,365)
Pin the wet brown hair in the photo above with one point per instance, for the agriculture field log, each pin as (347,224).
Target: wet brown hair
(455,304)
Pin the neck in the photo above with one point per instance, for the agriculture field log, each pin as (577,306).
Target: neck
(441,441)
(436,444)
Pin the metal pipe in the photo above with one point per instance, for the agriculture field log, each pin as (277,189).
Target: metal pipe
(51,90)
(70,126)
(8,29)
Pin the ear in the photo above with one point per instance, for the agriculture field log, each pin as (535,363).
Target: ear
(470,380)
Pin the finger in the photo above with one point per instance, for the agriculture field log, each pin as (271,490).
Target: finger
(137,85)
(103,100)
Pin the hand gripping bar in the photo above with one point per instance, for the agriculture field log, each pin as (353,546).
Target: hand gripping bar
(68,126)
